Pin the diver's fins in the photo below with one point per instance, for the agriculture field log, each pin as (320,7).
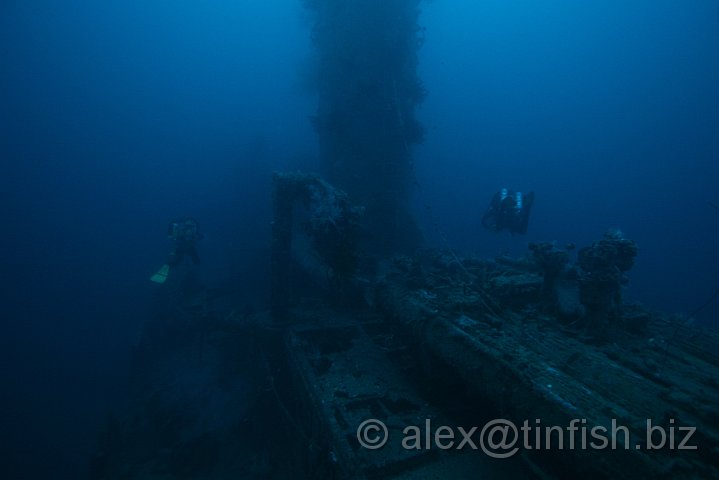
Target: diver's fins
(161,274)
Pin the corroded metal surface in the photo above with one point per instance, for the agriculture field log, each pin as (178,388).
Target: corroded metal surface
(530,365)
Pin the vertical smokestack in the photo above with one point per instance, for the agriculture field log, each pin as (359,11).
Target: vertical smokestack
(368,91)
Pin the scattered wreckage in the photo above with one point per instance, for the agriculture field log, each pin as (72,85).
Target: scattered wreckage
(394,368)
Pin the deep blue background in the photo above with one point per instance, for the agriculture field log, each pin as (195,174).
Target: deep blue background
(116,116)
(608,110)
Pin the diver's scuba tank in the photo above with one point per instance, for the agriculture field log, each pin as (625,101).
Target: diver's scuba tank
(518,201)
(174,231)
(503,194)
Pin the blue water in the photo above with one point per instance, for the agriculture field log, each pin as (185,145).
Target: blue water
(116,116)
(608,110)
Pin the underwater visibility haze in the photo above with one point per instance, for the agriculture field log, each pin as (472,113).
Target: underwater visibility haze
(330,162)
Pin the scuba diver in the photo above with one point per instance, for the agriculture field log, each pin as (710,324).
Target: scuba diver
(185,233)
(508,210)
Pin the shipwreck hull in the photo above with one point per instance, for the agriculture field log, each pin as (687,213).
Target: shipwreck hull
(348,368)
(528,367)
